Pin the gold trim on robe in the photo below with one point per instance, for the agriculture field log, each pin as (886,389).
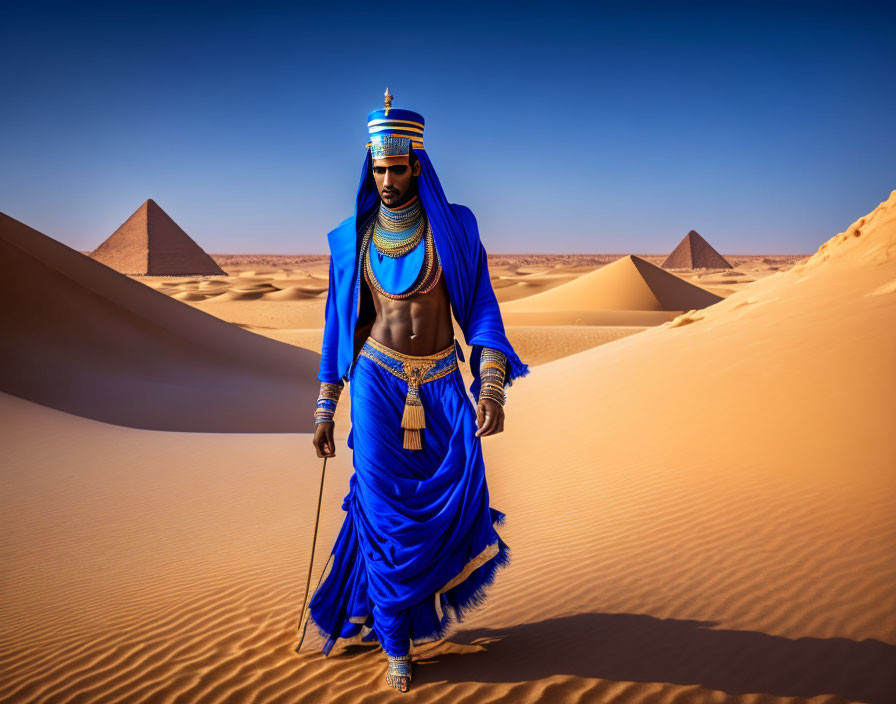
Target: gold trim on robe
(483,557)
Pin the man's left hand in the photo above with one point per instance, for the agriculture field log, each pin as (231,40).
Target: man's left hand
(489,417)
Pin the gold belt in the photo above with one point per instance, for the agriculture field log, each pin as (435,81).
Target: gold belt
(415,370)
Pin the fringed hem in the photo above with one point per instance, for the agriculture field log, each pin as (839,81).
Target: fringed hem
(461,599)
(471,592)
(468,595)
(517,368)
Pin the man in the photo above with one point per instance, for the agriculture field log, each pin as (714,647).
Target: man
(418,538)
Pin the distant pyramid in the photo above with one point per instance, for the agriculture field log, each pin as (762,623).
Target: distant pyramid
(694,252)
(150,243)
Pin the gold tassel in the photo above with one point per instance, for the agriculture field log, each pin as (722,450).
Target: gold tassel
(412,420)
(412,439)
(413,416)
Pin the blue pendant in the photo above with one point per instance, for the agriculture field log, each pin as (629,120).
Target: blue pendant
(397,274)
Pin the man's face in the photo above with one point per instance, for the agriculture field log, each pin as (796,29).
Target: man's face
(395,180)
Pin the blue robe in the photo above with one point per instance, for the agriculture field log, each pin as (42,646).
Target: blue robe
(418,542)
(464,266)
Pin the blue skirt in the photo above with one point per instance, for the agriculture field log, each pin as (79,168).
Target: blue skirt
(418,541)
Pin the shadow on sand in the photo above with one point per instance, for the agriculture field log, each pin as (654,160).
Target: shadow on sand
(638,648)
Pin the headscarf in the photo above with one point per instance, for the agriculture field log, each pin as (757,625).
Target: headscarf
(464,264)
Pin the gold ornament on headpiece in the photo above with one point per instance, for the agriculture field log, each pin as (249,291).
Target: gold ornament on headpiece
(393,131)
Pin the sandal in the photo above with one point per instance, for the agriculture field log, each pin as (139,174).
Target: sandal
(399,674)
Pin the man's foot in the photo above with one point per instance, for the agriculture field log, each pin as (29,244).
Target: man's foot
(398,676)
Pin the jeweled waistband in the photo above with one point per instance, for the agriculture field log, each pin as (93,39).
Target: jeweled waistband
(431,366)
(416,370)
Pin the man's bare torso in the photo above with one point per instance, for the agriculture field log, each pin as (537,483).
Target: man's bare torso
(417,325)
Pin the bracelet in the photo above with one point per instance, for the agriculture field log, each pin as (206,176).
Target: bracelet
(326,402)
(492,366)
(495,393)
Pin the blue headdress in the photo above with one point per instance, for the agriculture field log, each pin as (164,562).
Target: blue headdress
(395,132)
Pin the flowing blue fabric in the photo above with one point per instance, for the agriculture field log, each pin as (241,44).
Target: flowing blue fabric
(415,519)
(464,265)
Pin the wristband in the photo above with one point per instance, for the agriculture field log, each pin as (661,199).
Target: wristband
(326,402)
(492,365)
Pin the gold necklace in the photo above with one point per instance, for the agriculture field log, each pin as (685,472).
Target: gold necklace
(430,271)
(397,232)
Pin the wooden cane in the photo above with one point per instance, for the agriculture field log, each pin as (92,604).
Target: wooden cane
(303,621)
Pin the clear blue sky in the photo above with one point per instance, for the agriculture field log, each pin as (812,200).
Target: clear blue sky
(583,127)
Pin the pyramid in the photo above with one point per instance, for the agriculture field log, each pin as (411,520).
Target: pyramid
(629,283)
(694,252)
(150,243)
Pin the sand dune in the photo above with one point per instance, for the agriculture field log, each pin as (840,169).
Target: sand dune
(268,313)
(85,339)
(512,288)
(730,471)
(244,293)
(629,283)
(290,293)
(539,344)
(704,516)
(602,318)
(189,296)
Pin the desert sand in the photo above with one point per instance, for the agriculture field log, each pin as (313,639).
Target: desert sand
(710,519)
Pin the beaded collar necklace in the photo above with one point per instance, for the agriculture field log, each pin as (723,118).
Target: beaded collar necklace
(429,273)
(398,231)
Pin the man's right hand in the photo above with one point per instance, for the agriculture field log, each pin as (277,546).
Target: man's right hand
(323,439)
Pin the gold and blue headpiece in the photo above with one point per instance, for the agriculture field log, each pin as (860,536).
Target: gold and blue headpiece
(394,131)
